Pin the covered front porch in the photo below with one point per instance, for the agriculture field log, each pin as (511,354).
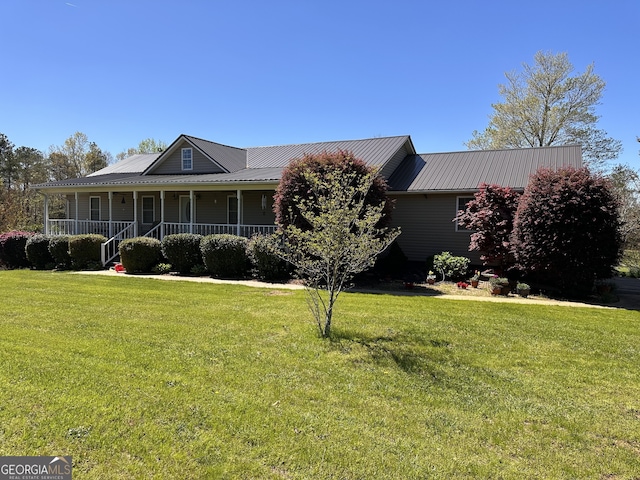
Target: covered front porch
(121,215)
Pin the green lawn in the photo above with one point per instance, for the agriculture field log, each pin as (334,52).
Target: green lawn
(140,378)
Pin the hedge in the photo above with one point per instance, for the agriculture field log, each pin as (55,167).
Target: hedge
(38,254)
(225,255)
(266,264)
(13,249)
(182,251)
(84,250)
(140,254)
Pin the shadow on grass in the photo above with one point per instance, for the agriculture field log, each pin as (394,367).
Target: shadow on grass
(412,354)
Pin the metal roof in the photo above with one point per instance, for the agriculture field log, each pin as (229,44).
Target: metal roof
(229,158)
(465,171)
(374,151)
(134,164)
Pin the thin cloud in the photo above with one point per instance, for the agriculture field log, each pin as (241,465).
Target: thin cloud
(71,4)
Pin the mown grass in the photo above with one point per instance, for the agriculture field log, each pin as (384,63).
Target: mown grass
(140,378)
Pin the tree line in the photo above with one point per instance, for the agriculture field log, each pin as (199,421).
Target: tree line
(21,207)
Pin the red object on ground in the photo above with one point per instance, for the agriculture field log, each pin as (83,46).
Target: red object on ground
(119,268)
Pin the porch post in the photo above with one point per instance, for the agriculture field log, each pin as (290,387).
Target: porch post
(239,197)
(75,227)
(161,214)
(192,212)
(135,213)
(46,214)
(110,214)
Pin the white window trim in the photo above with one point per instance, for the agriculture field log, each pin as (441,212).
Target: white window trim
(469,198)
(182,158)
(153,209)
(99,208)
(229,222)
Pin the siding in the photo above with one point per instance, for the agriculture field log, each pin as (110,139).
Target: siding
(427,227)
(172,165)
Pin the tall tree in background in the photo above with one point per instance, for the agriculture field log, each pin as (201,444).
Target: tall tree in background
(77,157)
(148,145)
(546,104)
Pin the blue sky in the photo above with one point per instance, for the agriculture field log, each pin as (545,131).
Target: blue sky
(252,73)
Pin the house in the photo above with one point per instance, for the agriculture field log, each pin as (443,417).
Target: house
(204,187)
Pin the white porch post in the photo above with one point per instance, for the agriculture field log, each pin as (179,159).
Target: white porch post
(192,212)
(46,214)
(76,222)
(135,214)
(110,214)
(161,214)
(239,198)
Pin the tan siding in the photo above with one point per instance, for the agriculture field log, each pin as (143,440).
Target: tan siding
(427,227)
(172,165)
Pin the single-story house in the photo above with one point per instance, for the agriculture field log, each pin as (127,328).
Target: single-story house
(204,187)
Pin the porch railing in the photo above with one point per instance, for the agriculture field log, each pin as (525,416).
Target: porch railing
(76,227)
(109,249)
(163,229)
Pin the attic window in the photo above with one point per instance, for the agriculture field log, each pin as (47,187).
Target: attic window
(187,159)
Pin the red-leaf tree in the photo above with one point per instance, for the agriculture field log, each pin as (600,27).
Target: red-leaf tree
(490,215)
(567,229)
(293,184)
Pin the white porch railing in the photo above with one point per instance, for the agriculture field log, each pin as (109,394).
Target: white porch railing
(77,227)
(109,249)
(162,230)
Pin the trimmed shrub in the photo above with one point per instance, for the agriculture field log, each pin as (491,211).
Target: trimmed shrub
(567,230)
(37,250)
(225,255)
(59,250)
(394,262)
(454,268)
(84,250)
(13,249)
(182,251)
(266,264)
(140,254)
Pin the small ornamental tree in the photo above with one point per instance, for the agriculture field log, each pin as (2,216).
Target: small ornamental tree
(329,226)
(567,229)
(490,215)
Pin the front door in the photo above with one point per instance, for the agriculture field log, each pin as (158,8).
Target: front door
(185,209)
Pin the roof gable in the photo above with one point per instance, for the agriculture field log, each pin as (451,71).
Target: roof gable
(465,171)
(209,157)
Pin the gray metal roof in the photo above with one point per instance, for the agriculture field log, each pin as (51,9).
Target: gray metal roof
(465,171)
(134,164)
(229,158)
(374,151)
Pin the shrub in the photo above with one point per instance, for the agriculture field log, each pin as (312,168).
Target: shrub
(394,263)
(38,254)
(140,254)
(13,249)
(266,264)
(225,255)
(490,216)
(84,250)
(567,230)
(162,268)
(453,268)
(182,251)
(59,250)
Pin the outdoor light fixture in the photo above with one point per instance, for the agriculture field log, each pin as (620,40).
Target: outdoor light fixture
(264,202)
(122,201)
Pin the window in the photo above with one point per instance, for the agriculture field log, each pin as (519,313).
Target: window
(232,209)
(461,204)
(148,210)
(187,159)
(94,208)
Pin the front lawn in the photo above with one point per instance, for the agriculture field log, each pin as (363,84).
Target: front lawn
(145,378)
